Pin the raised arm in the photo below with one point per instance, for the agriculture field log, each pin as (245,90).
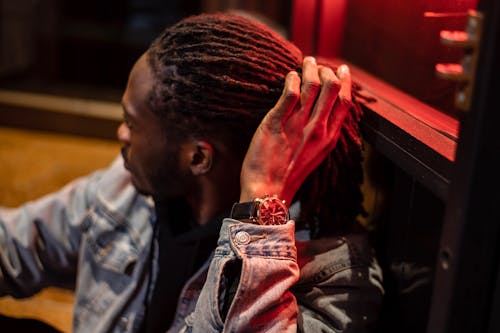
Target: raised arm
(254,267)
(298,133)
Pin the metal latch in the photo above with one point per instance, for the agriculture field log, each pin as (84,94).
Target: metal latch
(464,72)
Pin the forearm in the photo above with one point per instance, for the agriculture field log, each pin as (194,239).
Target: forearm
(39,241)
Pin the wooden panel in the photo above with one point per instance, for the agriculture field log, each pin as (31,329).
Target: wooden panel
(76,116)
(393,40)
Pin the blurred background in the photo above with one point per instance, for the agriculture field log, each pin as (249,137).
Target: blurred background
(86,48)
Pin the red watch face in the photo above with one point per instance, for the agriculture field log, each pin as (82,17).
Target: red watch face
(272,211)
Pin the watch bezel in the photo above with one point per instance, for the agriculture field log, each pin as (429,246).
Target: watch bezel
(262,203)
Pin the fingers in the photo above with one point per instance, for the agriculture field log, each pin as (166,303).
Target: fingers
(332,106)
(317,80)
(311,84)
(286,103)
(330,86)
(291,92)
(344,103)
(344,75)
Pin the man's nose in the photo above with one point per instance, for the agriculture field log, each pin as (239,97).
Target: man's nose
(123,133)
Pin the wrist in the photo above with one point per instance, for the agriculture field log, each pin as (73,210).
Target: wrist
(265,210)
(249,194)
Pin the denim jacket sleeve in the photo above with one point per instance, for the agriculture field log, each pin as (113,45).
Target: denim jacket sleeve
(262,301)
(339,288)
(39,241)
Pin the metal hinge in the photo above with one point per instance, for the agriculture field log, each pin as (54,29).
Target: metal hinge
(464,72)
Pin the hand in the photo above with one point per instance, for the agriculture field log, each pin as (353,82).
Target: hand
(297,133)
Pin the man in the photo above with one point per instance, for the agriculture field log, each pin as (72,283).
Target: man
(197,138)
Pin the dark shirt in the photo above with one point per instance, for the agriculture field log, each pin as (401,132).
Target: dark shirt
(183,248)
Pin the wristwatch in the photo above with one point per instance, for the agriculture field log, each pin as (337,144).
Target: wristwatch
(269,210)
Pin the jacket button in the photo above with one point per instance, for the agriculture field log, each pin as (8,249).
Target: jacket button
(242,237)
(123,324)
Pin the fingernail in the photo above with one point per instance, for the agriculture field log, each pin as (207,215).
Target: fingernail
(311,59)
(342,71)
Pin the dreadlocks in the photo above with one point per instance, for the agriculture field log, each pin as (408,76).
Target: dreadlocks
(218,75)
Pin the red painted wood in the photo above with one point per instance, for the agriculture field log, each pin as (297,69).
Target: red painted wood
(304,25)
(395,41)
(330,27)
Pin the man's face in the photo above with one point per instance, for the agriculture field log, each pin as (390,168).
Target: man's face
(155,163)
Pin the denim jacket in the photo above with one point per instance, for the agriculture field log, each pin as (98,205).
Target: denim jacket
(96,236)
(326,285)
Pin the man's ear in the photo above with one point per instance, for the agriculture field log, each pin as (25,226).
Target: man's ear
(201,158)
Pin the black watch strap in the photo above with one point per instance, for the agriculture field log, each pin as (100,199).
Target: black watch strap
(243,211)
